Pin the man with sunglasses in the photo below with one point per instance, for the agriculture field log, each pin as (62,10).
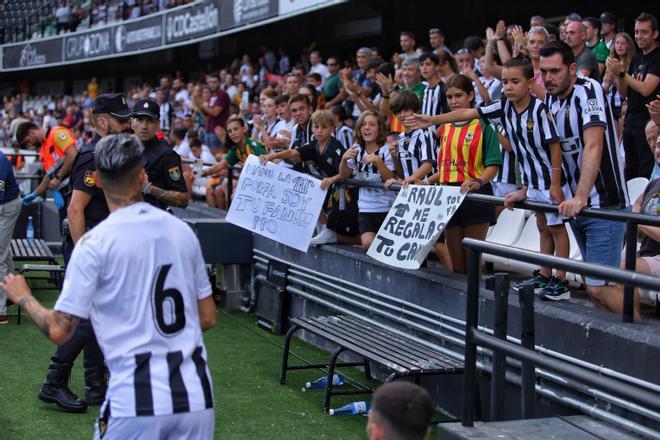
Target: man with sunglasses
(87,208)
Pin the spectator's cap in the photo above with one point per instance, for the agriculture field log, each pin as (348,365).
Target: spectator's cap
(146,107)
(113,104)
(608,17)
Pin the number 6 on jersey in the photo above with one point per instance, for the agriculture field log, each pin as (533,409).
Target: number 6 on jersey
(167,305)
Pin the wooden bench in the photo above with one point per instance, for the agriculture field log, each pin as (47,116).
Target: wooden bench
(400,355)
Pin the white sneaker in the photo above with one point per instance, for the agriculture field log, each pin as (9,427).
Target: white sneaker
(326,236)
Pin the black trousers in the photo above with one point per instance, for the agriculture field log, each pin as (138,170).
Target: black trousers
(639,158)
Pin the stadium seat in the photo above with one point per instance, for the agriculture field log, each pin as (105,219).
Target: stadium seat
(508,228)
(636,187)
(529,239)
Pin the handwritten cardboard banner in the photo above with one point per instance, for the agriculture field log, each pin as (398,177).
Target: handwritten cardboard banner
(277,202)
(414,223)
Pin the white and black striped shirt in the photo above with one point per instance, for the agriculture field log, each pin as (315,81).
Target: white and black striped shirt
(414,149)
(301,135)
(372,199)
(144,308)
(584,107)
(494,87)
(507,172)
(530,133)
(344,135)
(435,100)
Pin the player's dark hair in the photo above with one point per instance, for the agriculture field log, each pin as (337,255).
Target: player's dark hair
(339,111)
(300,98)
(405,100)
(429,56)
(404,408)
(563,49)
(195,143)
(407,34)
(552,30)
(23,130)
(117,158)
(282,99)
(473,43)
(593,22)
(646,17)
(387,69)
(522,63)
(179,133)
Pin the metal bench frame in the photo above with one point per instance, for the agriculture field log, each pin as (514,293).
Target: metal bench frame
(36,250)
(403,356)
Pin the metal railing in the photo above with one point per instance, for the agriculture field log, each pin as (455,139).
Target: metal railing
(525,352)
(630,219)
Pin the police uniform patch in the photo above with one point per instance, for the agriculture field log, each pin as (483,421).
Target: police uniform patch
(175,174)
(89,180)
(2,185)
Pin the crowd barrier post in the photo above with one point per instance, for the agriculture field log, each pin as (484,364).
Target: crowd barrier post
(500,324)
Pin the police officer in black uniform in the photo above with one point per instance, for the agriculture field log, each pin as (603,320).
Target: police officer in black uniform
(165,186)
(87,207)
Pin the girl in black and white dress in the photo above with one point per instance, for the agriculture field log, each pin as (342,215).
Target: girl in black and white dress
(369,160)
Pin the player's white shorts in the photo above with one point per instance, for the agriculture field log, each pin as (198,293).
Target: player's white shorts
(543,196)
(501,189)
(195,425)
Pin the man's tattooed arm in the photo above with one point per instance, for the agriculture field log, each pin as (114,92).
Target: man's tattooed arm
(172,198)
(57,326)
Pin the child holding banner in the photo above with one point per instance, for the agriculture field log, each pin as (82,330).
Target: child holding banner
(414,157)
(325,153)
(469,157)
(535,143)
(240,147)
(370,160)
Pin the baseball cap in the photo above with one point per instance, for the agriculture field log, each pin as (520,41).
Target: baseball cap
(146,107)
(113,104)
(608,17)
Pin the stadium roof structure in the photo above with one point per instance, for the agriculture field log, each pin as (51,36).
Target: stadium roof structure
(183,25)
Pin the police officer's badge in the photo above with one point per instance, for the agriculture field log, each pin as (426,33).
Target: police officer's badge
(175,174)
(89,180)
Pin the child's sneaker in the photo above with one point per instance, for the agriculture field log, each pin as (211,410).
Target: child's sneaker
(556,290)
(538,281)
(325,236)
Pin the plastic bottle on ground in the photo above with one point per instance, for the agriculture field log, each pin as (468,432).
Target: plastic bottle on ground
(337,380)
(351,409)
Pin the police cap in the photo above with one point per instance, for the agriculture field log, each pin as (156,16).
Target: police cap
(113,104)
(146,107)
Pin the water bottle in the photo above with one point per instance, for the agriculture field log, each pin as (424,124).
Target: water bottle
(337,380)
(29,232)
(352,409)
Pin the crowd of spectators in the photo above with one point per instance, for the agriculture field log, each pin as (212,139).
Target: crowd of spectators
(367,106)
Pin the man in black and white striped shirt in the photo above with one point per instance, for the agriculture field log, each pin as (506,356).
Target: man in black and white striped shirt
(140,277)
(587,132)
